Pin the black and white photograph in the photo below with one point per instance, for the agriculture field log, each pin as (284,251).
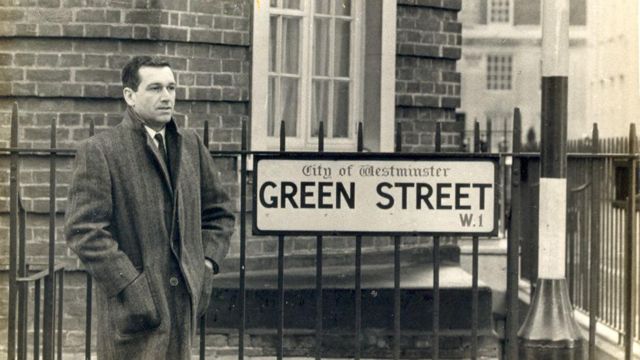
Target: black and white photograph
(319,179)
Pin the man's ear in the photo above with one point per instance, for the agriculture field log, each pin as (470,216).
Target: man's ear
(129,96)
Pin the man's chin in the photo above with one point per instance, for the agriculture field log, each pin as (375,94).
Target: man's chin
(164,118)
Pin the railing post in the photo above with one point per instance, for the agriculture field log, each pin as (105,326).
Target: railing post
(36,319)
(89,292)
(319,302)
(396,269)
(13,235)
(358,270)
(435,346)
(280,343)
(49,281)
(89,314)
(23,307)
(202,322)
(489,136)
(59,312)
(594,276)
(513,245)
(474,267)
(243,239)
(629,246)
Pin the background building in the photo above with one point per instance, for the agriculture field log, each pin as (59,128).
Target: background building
(612,88)
(501,65)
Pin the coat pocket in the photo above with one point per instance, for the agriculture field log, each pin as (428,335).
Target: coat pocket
(134,308)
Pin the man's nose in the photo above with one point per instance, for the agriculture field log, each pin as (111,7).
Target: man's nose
(165,94)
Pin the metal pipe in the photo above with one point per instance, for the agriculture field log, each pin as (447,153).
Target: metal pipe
(550,330)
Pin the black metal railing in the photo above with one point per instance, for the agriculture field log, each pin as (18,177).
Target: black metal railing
(599,270)
(602,232)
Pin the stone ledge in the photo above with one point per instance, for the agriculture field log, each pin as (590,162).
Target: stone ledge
(455,5)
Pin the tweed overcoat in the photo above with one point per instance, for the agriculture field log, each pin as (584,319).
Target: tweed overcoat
(135,225)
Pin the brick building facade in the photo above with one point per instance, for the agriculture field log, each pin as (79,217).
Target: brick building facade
(61,59)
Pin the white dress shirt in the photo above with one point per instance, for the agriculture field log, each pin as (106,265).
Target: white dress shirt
(153,133)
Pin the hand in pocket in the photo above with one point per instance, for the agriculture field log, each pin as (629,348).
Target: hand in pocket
(205,297)
(138,309)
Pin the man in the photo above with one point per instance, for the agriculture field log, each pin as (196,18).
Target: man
(148,219)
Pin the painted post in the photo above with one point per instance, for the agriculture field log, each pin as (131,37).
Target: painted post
(550,330)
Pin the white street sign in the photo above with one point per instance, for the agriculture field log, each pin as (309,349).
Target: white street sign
(346,194)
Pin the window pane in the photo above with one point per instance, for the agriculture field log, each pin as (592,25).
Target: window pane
(273,32)
(342,46)
(320,105)
(343,7)
(289,105)
(291,4)
(323,7)
(499,11)
(499,72)
(271,126)
(341,109)
(273,3)
(290,44)
(321,47)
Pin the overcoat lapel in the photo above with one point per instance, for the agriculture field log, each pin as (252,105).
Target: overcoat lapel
(154,153)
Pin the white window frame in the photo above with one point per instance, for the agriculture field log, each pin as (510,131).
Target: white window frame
(499,23)
(260,141)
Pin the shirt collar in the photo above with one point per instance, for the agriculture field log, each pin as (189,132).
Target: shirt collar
(153,133)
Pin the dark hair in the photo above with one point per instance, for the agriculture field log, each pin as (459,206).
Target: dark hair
(130,77)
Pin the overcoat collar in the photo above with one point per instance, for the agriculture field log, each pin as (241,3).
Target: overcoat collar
(173,138)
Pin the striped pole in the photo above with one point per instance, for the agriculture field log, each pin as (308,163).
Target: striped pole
(550,330)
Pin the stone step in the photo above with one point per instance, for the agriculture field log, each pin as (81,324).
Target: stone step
(449,254)
(339,300)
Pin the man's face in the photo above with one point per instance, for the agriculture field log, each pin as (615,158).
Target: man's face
(155,97)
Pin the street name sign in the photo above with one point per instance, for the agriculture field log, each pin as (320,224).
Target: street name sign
(374,194)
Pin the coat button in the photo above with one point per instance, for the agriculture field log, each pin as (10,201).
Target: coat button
(173,281)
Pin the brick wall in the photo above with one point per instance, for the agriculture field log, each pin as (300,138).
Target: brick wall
(206,21)
(429,43)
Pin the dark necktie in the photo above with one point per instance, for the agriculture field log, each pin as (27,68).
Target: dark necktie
(163,149)
(175,244)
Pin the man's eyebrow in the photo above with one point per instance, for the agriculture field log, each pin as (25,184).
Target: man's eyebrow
(160,84)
